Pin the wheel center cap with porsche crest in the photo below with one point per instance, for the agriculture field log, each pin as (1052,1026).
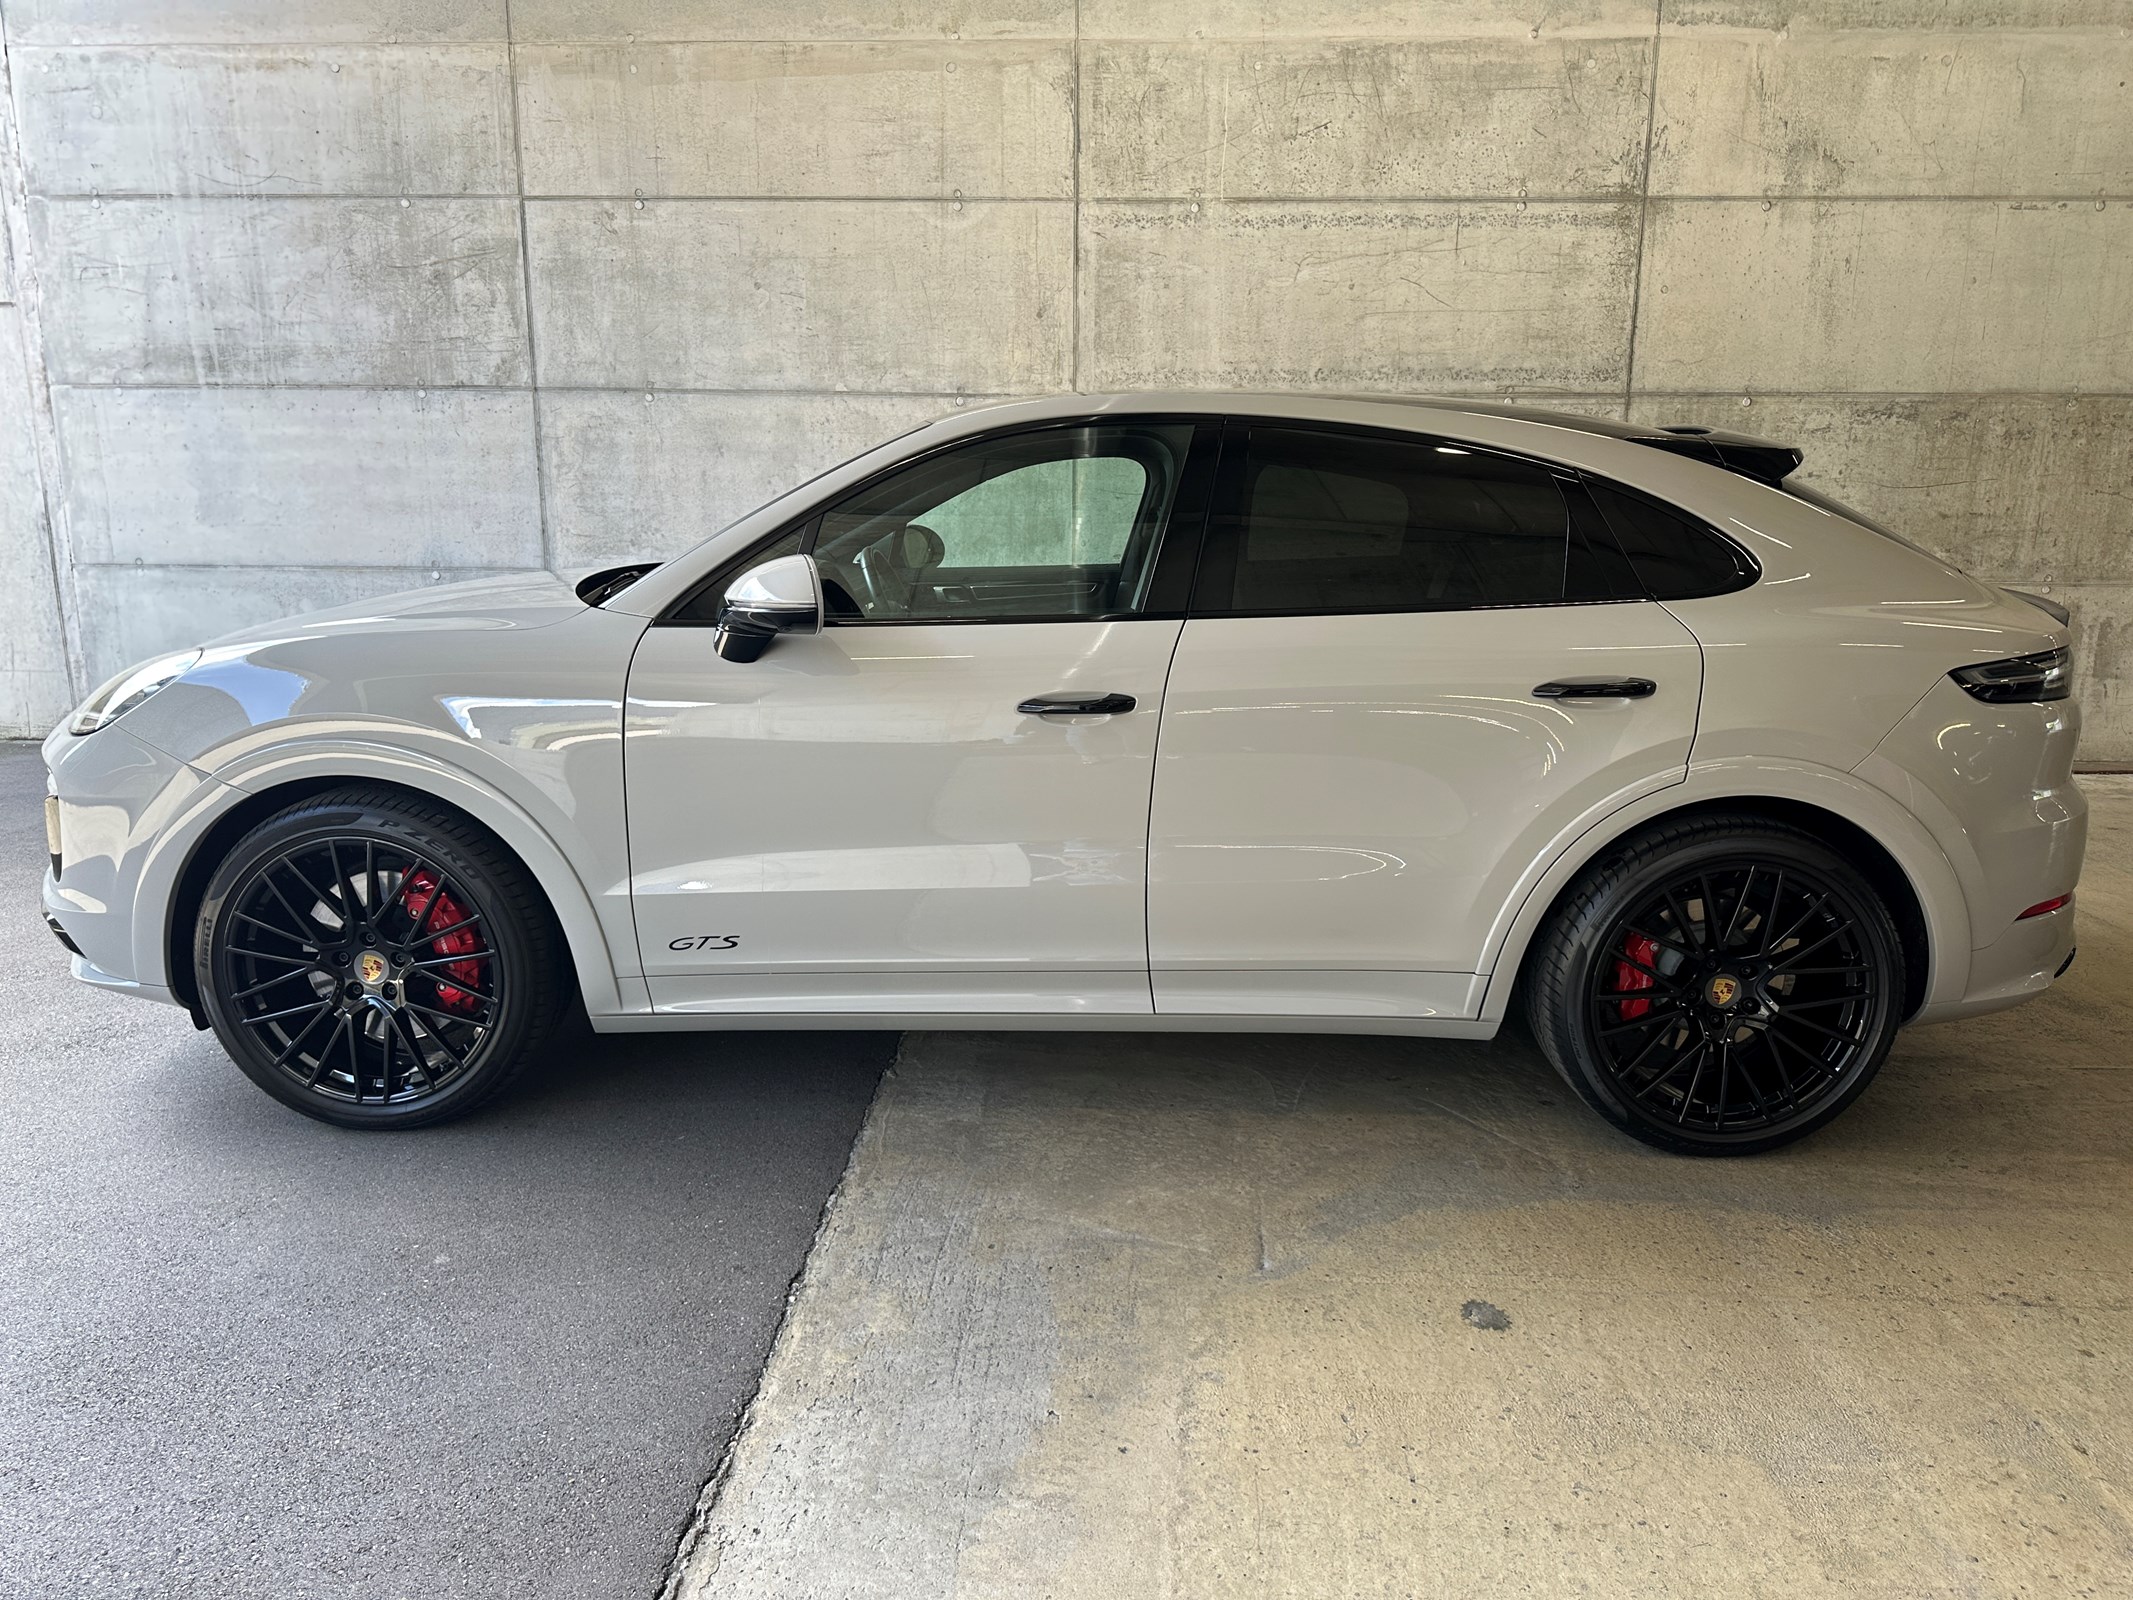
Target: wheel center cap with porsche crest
(1722,990)
(370,967)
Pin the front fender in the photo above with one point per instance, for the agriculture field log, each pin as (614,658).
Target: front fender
(1919,856)
(596,922)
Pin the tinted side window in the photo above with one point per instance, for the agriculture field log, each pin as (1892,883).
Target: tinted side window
(1675,558)
(1347,522)
(1042,526)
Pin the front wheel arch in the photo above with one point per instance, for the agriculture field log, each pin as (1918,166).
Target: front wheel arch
(222,837)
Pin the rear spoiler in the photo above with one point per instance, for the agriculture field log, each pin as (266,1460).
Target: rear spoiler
(1759,459)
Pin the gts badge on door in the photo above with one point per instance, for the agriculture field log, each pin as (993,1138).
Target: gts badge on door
(705,941)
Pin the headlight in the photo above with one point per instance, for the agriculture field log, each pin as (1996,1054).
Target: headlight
(129,689)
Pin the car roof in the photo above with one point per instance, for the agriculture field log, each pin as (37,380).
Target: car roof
(1764,460)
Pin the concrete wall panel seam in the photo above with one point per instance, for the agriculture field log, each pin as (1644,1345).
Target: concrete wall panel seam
(38,549)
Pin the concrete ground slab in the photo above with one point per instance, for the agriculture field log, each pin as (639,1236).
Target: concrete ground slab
(1312,1316)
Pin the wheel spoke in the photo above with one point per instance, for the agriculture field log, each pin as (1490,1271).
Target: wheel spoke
(1822,1068)
(453,1056)
(302,1034)
(1740,1059)
(1699,932)
(387,1035)
(1792,1090)
(250,954)
(448,961)
(318,1067)
(1703,1056)
(293,1011)
(1804,918)
(1787,1019)
(279,977)
(278,931)
(1807,950)
(1673,984)
(1740,901)
(443,933)
(1710,913)
(399,897)
(1681,1059)
(1668,1015)
(448,1016)
(351,912)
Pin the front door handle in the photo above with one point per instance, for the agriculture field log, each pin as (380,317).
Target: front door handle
(1077,705)
(1595,689)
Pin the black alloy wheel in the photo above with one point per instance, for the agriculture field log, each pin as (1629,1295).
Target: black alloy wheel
(1721,986)
(375,961)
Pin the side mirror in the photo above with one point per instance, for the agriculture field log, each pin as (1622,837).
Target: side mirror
(781,596)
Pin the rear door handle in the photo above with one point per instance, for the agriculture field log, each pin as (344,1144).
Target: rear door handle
(1595,689)
(1077,705)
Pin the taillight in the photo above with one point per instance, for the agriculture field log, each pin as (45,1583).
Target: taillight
(2047,675)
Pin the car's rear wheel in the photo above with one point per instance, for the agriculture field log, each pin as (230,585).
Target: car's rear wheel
(376,961)
(1719,986)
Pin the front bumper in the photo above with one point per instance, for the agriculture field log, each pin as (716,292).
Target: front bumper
(108,824)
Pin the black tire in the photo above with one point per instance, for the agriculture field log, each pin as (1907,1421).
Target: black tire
(1718,986)
(377,961)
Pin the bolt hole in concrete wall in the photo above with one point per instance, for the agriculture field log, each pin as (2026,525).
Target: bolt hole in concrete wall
(304,300)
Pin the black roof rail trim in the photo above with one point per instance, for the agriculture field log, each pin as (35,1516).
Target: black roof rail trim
(1761,459)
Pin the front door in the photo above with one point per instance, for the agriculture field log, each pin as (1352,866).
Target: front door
(1361,751)
(868,820)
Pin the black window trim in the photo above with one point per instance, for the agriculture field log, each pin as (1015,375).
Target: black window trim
(1176,555)
(1228,502)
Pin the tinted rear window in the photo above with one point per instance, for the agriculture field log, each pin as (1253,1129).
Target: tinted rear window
(1675,557)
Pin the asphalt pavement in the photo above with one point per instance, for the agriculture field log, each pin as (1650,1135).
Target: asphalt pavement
(243,1353)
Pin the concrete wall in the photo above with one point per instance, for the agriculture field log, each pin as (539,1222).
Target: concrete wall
(311,298)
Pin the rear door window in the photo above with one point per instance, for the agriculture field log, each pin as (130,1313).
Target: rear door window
(1328,521)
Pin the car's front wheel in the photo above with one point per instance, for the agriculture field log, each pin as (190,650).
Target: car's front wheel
(376,961)
(1719,986)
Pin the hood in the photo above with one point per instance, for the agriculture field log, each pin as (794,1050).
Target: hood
(515,600)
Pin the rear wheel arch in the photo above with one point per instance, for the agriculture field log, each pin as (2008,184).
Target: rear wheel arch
(581,932)
(1867,853)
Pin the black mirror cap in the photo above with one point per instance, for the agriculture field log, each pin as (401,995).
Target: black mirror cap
(740,641)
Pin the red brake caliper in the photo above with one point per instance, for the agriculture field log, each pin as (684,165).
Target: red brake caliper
(440,910)
(1637,948)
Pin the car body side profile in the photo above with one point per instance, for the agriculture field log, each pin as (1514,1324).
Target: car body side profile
(1192,711)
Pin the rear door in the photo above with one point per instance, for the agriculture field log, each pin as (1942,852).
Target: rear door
(1409,666)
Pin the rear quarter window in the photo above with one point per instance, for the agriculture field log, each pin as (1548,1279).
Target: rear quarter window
(1675,556)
